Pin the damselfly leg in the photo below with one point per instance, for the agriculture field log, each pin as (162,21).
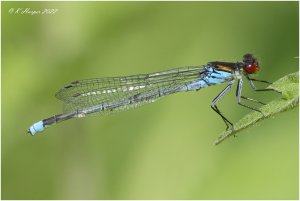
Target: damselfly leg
(250,80)
(239,97)
(216,100)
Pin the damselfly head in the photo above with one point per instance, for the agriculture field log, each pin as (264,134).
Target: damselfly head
(250,64)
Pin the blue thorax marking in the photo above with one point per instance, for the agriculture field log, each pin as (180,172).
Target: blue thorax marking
(218,77)
(212,77)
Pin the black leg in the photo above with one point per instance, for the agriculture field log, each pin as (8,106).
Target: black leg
(216,100)
(263,81)
(250,80)
(226,121)
(239,93)
(251,99)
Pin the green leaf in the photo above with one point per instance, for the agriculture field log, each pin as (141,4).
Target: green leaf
(288,86)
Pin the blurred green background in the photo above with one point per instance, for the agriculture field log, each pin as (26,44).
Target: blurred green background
(162,150)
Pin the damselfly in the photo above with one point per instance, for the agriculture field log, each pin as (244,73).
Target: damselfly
(107,95)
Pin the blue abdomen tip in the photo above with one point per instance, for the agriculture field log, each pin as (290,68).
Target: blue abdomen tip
(37,127)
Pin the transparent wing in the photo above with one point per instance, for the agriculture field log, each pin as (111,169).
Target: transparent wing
(120,93)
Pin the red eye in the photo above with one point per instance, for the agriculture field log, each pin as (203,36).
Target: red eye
(251,68)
